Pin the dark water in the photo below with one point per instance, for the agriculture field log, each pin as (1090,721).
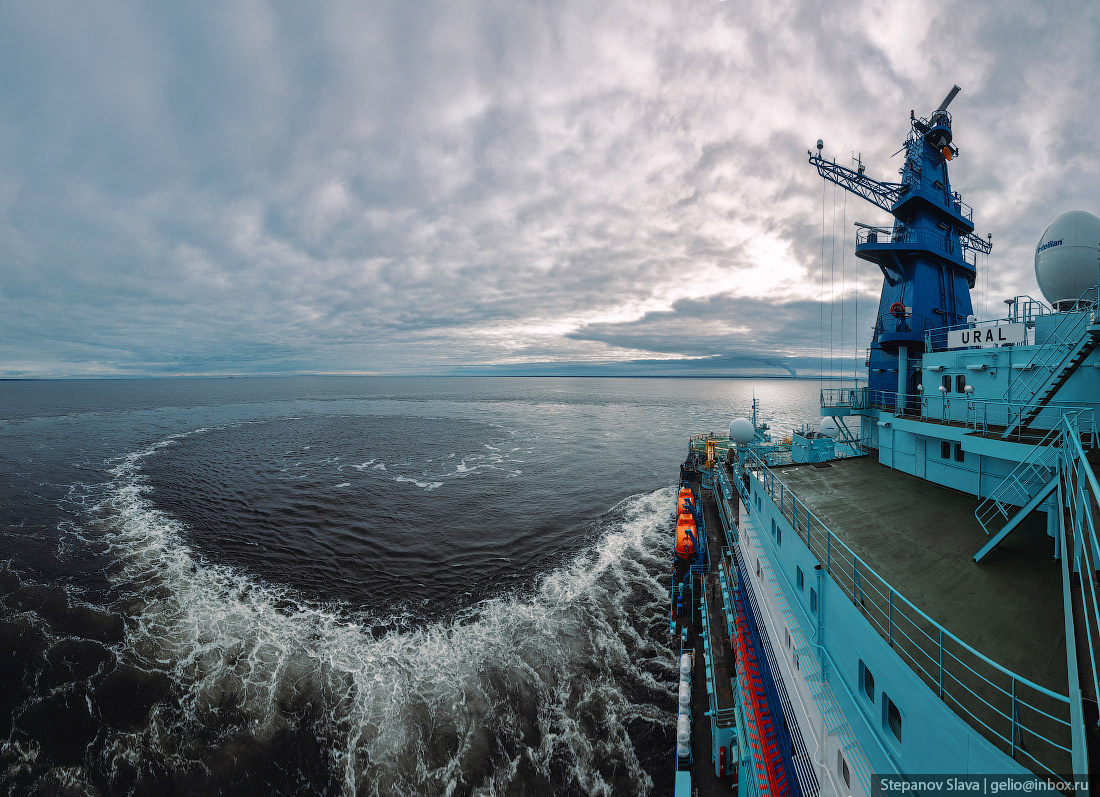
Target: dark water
(345,585)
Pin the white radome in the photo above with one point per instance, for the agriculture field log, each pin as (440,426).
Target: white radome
(741,431)
(828,428)
(1067,259)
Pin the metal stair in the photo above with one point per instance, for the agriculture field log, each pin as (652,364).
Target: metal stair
(1073,482)
(1022,484)
(1068,346)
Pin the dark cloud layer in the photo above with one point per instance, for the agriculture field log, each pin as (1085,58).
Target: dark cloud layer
(436,187)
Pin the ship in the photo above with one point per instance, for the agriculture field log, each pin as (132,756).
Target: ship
(901,597)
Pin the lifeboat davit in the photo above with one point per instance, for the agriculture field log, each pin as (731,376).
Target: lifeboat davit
(685,495)
(685,548)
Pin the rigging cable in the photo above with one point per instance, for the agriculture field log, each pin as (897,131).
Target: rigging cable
(821,297)
(832,284)
(843,276)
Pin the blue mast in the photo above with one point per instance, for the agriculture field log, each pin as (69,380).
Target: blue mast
(927,258)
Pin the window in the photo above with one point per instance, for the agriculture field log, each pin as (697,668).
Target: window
(960,383)
(799,579)
(945,449)
(842,765)
(947,384)
(813,600)
(758,568)
(959,454)
(892,716)
(867,681)
(788,636)
(796,662)
(778,535)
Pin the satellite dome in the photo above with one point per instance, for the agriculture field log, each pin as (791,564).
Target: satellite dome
(1067,259)
(828,428)
(741,431)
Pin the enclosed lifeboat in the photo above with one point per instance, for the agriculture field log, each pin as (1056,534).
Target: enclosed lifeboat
(681,501)
(685,548)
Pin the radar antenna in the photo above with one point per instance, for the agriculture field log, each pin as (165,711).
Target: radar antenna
(947,100)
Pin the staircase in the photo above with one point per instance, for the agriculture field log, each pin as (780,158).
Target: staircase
(1063,469)
(1071,342)
(1022,485)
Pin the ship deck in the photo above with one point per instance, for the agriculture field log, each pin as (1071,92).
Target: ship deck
(920,538)
(703,778)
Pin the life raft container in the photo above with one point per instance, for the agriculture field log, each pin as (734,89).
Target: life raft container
(685,548)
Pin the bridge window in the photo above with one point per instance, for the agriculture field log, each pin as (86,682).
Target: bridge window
(945,449)
(960,383)
(892,716)
(779,535)
(960,455)
(947,384)
(813,600)
(842,765)
(799,578)
(867,681)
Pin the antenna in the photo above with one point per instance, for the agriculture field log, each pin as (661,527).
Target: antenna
(947,100)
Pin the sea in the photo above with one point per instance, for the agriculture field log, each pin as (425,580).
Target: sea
(346,585)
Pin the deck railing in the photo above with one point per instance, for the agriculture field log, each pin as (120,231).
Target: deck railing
(916,236)
(980,415)
(725,716)
(1029,722)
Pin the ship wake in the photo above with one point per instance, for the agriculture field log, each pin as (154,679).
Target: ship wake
(563,688)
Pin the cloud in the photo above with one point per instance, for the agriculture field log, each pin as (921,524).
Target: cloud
(419,188)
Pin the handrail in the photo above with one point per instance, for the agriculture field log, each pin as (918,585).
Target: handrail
(919,236)
(867,569)
(842,565)
(914,180)
(912,324)
(1069,332)
(720,714)
(1030,470)
(979,414)
(1085,538)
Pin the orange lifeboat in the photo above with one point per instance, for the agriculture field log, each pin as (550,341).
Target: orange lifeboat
(685,495)
(685,548)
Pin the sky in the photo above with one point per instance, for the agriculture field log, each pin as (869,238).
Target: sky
(502,186)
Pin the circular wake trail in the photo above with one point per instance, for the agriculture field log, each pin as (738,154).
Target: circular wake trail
(566,687)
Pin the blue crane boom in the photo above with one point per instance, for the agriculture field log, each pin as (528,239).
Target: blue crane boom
(885,195)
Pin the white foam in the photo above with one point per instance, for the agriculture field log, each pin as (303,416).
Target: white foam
(411,711)
(429,486)
(361,466)
(344,484)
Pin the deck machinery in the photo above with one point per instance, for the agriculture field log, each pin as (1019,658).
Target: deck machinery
(915,604)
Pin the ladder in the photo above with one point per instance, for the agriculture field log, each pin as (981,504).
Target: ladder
(1071,342)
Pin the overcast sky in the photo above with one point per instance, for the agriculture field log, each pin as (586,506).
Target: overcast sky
(511,186)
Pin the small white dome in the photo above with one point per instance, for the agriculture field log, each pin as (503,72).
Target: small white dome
(1067,259)
(828,428)
(741,431)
